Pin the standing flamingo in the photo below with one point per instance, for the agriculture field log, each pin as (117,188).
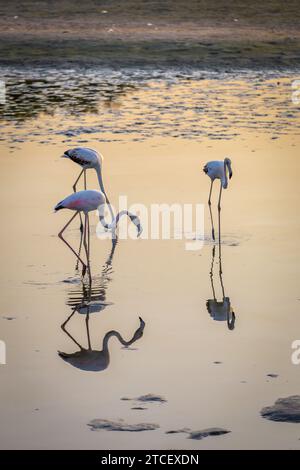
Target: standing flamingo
(217,170)
(86,201)
(88,158)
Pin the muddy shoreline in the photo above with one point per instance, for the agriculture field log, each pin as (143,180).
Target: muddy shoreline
(239,54)
(206,34)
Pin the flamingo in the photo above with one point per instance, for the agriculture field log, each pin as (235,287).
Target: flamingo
(218,170)
(88,158)
(86,201)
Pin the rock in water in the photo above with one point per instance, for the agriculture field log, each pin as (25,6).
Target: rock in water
(97,424)
(197,435)
(284,409)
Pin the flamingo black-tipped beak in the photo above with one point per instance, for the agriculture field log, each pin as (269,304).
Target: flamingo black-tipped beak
(58,207)
(230,175)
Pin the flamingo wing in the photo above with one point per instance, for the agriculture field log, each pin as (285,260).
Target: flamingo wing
(87,200)
(83,156)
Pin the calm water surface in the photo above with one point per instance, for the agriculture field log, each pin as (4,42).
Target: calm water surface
(155,130)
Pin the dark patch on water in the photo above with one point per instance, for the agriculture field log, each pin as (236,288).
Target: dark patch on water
(198,435)
(98,424)
(178,431)
(149,398)
(284,409)
(273,376)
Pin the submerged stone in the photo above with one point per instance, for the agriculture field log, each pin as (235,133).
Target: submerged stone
(97,424)
(284,409)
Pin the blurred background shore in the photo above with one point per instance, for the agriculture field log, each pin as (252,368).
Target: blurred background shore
(206,33)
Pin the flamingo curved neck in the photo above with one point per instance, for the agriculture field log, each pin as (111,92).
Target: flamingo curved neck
(101,185)
(225,179)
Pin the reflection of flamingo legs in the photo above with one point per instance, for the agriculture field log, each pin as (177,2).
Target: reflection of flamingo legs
(63,327)
(220,310)
(211,273)
(87,318)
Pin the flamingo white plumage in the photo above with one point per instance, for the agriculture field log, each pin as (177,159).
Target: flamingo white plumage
(218,170)
(86,201)
(88,158)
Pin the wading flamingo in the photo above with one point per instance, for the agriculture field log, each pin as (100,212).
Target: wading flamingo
(86,201)
(88,158)
(217,170)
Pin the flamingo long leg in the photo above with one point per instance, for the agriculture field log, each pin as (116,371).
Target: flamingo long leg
(60,235)
(80,245)
(81,223)
(75,184)
(89,235)
(211,217)
(74,189)
(86,229)
(219,218)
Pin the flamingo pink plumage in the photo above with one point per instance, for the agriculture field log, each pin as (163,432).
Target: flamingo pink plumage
(86,201)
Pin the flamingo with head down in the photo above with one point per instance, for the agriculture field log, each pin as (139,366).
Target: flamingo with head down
(218,170)
(86,201)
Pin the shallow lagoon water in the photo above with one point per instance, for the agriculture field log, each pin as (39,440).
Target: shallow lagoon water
(155,133)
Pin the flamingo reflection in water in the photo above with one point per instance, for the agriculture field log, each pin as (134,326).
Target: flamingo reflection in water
(220,310)
(92,299)
(90,359)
